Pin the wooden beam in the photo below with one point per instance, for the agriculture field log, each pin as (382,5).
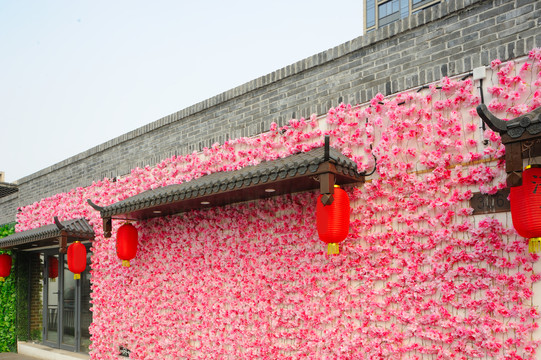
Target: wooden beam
(107,227)
(326,187)
(513,163)
(63,243)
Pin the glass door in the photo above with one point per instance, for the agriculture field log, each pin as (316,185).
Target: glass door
(50,301)
(66,305)
(70,307)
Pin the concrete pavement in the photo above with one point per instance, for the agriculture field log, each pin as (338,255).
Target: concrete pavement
(15,356)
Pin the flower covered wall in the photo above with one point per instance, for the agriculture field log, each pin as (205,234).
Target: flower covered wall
(419,275)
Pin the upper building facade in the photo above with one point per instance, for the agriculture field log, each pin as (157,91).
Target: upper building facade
(378,13)
(442,40)
(422,273)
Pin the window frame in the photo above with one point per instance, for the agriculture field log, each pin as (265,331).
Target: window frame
(422,5)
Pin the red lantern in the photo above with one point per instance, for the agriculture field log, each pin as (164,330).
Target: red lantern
(77,259)
(53,268)
(5,266)
(126,243)
(526,207)
(333,220)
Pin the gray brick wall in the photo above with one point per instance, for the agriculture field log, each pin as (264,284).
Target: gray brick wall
(451,38)
(8,208)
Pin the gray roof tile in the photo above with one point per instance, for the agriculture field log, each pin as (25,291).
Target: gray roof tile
(75,228)
(7,189)
(529,123)
(291,168)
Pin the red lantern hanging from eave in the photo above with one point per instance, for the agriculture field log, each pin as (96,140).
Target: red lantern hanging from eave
(77,259)
(126,243)
(53,268)
(333,220)
(525,203)
(5,266)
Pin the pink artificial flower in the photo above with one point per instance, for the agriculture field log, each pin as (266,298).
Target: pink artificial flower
(495,64)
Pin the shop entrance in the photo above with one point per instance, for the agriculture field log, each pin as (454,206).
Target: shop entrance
(66,304)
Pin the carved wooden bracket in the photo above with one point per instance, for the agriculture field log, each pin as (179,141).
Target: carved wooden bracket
(63,238)
(521,137)
(107,221)
(326,187)
(63,242)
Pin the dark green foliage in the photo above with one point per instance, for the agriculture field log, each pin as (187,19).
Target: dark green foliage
(8,301)
(23,276)
(7,229)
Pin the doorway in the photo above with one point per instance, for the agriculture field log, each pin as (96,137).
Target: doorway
(66,305)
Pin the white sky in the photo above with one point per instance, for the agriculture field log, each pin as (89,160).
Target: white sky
(75,74)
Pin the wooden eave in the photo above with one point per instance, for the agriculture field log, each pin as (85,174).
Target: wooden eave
(320,168)
(56,234)
(520,136)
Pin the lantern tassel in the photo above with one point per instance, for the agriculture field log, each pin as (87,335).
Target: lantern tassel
(534,244)
(333,249)
(76,276)
(126,263)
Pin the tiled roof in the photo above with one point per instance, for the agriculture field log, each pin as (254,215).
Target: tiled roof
(529,123)
(7,189)
(294,173)
(521,137)
(49,234)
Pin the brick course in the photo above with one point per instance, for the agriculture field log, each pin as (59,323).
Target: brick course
(448,39)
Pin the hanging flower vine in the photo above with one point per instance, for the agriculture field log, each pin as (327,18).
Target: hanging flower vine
(419,276)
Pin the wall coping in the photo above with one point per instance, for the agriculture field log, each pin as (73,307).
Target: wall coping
(439,11)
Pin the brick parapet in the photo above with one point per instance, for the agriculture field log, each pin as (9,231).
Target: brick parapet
(448,39)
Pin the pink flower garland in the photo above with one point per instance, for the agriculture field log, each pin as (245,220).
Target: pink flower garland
(418,276)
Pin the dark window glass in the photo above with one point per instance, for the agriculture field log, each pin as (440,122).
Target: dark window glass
(389,12)
(370,13)
(404,9)
(417,4)
(69,308)
(393,10)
